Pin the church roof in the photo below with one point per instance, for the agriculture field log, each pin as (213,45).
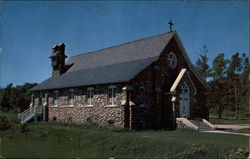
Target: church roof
(120,72)
(120,63)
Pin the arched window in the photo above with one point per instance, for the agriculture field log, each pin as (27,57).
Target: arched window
(71,97)
(142,95)
(40,98)
(90,95)
(112,95)
(56,95)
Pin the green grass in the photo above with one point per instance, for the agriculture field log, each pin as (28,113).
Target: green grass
(242,113)
(228,122)
(247,130)
(89,141)
(11,115)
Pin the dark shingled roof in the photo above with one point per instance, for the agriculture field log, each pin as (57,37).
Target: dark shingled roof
(111,65)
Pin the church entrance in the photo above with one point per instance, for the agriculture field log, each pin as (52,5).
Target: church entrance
(184,101)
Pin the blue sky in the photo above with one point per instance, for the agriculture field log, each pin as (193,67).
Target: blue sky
(30,29)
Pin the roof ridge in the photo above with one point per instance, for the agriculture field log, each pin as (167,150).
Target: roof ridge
(95,51)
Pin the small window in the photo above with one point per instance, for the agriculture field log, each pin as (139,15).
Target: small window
(90,95)
(112,95)
(89,120)
(70,120)
(56,94)
(54,119)
(142,95)
(142,124)
(111,122)
(71,97)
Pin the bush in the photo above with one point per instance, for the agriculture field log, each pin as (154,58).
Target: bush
(25,128)
(4,123)
(240,153)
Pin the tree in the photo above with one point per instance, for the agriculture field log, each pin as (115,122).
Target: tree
(233,76)
(244,85)
(202,63)
(219,67)
(23,96)
(216,95)
(16,97)
(6,97)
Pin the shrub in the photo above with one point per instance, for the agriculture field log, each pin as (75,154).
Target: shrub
(4,123)
(240,153)
(25,128)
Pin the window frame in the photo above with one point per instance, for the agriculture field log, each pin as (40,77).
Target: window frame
(55,98)
(91,95)
(113,96)
(71,100)
(40,102)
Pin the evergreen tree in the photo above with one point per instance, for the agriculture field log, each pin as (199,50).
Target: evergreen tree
(216,95)
(244,86)
(233,76)
(202,63)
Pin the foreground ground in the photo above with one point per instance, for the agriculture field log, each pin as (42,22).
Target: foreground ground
(89,140)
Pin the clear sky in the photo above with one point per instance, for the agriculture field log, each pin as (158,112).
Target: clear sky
(30,29)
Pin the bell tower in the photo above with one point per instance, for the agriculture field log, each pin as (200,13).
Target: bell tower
(58,60)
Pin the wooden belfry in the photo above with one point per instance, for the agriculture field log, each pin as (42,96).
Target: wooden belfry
(171,24)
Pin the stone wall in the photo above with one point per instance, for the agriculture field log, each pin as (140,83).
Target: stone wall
(80,112)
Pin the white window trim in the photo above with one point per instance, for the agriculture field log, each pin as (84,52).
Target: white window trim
(91,103)
(55,104)
(112,105)
(71,101)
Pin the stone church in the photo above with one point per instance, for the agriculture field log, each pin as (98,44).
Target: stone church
(143,84)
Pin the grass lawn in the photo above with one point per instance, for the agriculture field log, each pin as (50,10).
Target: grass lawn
(228,122)
(49,140)
(242,113)
(244,131)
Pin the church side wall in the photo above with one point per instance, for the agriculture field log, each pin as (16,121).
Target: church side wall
(79,112)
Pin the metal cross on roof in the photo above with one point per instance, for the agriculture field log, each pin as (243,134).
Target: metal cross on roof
(170,23)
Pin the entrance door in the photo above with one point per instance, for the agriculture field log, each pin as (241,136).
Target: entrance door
(184,100)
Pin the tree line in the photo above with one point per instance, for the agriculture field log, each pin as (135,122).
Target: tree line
(15,98)
(228,81)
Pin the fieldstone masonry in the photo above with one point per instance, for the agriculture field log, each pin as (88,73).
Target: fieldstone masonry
(80,112)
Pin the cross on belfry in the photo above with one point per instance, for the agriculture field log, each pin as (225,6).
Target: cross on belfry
(170,23)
